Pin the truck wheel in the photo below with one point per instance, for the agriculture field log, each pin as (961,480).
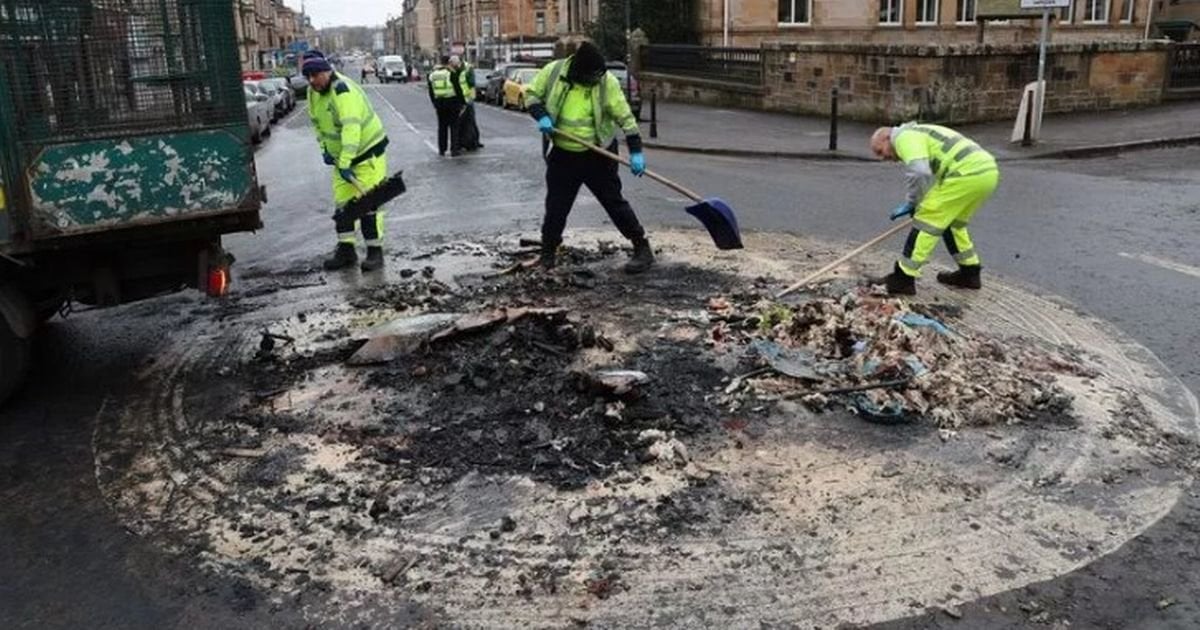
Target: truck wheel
(14,360)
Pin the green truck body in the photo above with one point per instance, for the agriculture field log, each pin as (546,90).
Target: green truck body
(125,154)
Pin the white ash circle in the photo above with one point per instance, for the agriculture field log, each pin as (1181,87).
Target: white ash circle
(847,521)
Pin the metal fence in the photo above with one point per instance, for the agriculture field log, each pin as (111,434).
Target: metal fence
(1184,67)
(730,65)
(77,68)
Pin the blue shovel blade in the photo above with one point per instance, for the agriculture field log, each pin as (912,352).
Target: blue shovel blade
(718,218)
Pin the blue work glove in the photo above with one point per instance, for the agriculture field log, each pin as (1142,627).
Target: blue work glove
(905,209)
(347,174)
(329,161)
(637,163)
(545,125)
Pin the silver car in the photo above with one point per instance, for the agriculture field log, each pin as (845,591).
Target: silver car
(259,110)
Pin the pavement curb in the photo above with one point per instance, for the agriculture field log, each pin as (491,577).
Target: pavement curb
(1099,150)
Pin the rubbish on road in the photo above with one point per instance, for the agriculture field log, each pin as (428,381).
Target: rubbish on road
(267,343)
(889,363)
(401,337)
(474,323)
(616,382)
(716,215)
(664,447)
(854,253)
(793,362)
(918,320)
(370,200)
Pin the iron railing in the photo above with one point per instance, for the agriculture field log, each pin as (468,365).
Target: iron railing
(730,65)
(1184,67)
(78,68)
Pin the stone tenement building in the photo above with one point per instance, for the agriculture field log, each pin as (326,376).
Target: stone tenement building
(752,22)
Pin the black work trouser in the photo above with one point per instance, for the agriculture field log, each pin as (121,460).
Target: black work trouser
(566,171)
(448,111)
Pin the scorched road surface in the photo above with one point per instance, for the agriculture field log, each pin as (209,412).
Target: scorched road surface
(1112,236)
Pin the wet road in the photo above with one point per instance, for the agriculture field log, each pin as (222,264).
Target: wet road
(1111,236)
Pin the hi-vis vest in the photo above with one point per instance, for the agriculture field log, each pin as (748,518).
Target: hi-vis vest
(442,83)
(590,112)
(950,154)
(346,125)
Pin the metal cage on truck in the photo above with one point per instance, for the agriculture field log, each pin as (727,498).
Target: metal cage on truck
(120,113)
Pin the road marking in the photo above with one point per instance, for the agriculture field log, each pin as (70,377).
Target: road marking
(1186,270)
(411,127)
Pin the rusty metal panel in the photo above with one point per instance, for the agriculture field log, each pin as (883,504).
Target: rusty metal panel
(78,187)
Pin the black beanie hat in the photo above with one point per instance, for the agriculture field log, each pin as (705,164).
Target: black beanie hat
(588,64)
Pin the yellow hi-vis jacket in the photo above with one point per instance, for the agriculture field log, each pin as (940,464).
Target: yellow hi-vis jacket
(590,112)
(346,124)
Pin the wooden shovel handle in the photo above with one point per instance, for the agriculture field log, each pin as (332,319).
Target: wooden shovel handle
(613,156)
(854,253)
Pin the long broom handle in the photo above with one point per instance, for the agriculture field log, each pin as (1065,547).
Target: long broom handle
(613,156)
(854,253)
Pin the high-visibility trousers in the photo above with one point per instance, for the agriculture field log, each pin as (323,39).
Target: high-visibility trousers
(370,173)
(943,215)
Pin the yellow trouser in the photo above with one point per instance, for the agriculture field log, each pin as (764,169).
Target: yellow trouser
(369,173)
(944,214)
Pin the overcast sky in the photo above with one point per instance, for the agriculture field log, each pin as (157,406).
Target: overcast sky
(348,12)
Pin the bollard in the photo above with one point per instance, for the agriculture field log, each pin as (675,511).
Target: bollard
(1027,140)
(653,113)
(833,120)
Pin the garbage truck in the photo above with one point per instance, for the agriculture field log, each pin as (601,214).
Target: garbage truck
(125,155)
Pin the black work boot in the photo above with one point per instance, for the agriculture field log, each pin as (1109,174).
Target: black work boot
(549,256)
(343,257)
(967,277)
(374,261)
(897,282)
(643,257)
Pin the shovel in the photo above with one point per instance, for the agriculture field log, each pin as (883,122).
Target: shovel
(371,200)
(716,215)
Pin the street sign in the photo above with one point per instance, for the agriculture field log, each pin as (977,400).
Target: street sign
(1006,9)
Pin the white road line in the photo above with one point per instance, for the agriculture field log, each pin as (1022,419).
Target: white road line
(1186,270)
(411,127)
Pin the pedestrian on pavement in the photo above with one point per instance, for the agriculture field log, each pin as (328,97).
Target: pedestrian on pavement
(446,95)
(354,142)
(468,129)
(949,178)
(579,95)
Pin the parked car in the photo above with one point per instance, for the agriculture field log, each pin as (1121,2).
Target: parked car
(634,91)
(258,113)
(514,88)
(495,83)
(299,86)
(481,81)
(280,86)
(275,99)
(392,68)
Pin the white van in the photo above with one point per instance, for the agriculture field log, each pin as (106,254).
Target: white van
(391,68)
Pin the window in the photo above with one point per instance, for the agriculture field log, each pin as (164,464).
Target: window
(891,11)
(1067,15)
(1095,11)
(966,11)
(795,11)
(541,22)
(927,11)
(1127,11)
(487,27)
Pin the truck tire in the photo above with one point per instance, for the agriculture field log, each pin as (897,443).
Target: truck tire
(16,333)
(14,360)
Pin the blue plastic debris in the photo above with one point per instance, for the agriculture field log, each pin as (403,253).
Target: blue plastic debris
(916,320)
(793,362)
